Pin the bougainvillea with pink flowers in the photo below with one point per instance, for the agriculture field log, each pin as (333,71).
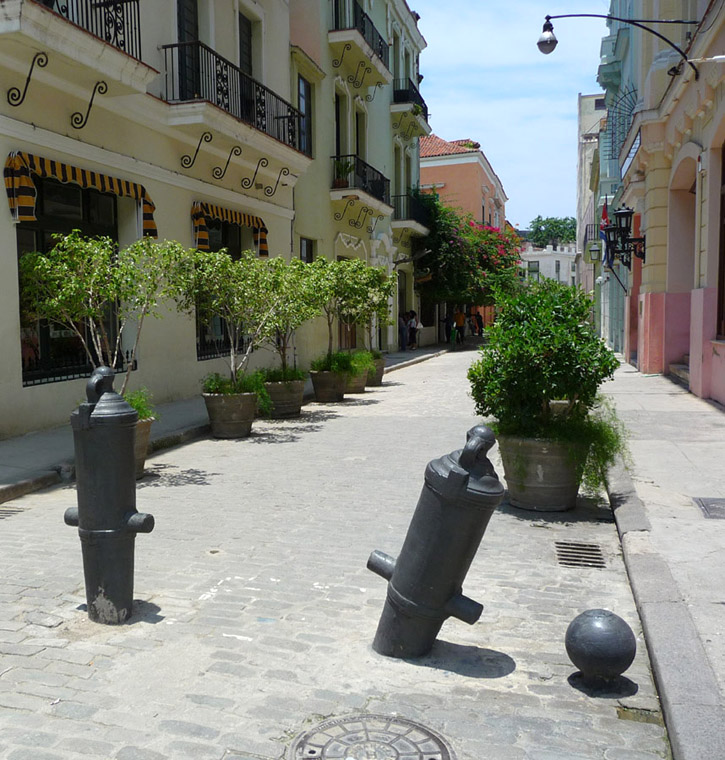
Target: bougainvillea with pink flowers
(467,262)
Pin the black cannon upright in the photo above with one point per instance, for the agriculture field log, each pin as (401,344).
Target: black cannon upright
(106,516)
(460,493)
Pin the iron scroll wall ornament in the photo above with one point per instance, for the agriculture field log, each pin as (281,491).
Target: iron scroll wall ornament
(340,215)
(187,161)
(337,62)
(15,96)
(218,172)
(372,227)
(78,120)
(371,95)
(359,223)
(247,182)
(269,191)
(357,79)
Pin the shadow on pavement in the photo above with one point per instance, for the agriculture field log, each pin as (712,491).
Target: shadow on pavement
(167,475)
(467,660)
(618,687)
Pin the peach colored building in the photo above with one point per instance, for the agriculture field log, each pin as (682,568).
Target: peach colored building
(463,178)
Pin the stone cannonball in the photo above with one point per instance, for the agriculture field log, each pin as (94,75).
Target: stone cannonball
(600,644)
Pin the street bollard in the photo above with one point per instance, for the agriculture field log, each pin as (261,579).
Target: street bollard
(460,493)
(103,436)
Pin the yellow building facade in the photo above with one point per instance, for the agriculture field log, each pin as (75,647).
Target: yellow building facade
(176,117)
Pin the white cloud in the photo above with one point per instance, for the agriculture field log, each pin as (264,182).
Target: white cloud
(486,80)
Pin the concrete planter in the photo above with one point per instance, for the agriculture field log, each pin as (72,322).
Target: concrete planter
(141,444)
(356,383)
(329,386)
(286,398)
(375,376)
(540,474)
(231,415)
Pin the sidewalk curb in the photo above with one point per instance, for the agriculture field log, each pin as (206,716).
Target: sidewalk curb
(415,360)
(691,703)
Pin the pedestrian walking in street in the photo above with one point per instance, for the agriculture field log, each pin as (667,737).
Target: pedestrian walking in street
(403,330)
(413,331)
(479,322)
(459,319)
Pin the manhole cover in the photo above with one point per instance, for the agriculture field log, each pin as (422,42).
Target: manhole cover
(575,554)
(712,508)
(370,737)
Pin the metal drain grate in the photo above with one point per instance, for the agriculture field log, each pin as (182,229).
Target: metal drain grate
(574,554)
(370,737)
(714,509)
(6,511)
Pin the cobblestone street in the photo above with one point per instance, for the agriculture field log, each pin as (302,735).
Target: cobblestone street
(255,611)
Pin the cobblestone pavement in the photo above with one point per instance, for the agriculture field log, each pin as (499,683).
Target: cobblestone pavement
(256,613)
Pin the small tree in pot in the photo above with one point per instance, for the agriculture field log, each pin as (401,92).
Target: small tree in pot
(539,376)
(98,292)
(375,312)
(212,284)
(296,302)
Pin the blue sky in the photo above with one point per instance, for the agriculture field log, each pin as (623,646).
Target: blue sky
(486,80)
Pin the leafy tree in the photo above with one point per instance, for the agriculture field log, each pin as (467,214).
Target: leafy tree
(88,286)
(467,262)
(212,284)
(341,290)
(295,302)
(552,230)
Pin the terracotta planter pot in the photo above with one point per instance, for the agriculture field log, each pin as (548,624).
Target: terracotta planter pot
(329,386)
(141,444)
(286,398)
(231,415)
(540,474)
(356,383)
(375,376)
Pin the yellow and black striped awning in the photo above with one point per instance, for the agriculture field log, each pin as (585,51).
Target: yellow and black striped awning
(200,212)
(22,193)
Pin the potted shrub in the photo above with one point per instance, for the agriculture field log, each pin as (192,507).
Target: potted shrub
(212,284)
(342,169)
(140,400)
(373,311)
(295,303)
(336,285)
(361,362)
(538,377)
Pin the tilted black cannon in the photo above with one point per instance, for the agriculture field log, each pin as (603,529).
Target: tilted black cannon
(460,493)
(103,435)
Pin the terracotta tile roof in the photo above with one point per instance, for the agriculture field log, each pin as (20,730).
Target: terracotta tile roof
(432,145)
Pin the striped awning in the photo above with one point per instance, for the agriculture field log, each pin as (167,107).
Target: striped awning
(200,212)
(22,193)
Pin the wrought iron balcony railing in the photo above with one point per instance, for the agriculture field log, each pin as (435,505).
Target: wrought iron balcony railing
(113,21)
(196,72)
(409,207)
(352,171)
(348,14)
(404,91)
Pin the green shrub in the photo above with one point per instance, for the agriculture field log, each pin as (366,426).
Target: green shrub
(244,382)
(338,361)
(140,400)
(362,361)
(280,375)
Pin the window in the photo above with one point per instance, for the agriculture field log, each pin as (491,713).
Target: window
(245,44)
(532,270)
(557,269)
(50,353)
(304,101)
(307,250)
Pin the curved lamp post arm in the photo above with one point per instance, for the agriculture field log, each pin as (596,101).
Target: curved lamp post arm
(640,23)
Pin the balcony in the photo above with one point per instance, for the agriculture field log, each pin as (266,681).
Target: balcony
(360,53)
(113,21)
(360,193)
(196,73)
(410,214)
(408,110)
(83,42)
